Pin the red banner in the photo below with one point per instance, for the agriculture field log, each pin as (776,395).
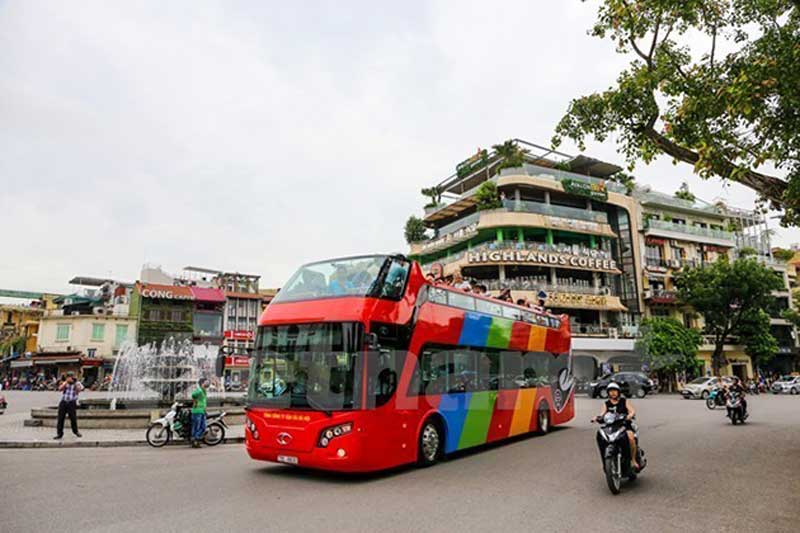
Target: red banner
(239,334)
(237,360)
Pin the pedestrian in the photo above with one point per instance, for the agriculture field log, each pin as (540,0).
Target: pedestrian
(70,387)
(200,400)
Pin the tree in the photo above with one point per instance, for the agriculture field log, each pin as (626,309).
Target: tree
(488,197)
(667,346)
(758,342)
(730,296)
(511,154)
(435,195)
(684,193)
(415,230)
(782,254)
(727,114)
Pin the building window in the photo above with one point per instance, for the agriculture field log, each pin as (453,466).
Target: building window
(662,312)
(91,352)
(653,255)
(121,335)
(98,332)
(62,333)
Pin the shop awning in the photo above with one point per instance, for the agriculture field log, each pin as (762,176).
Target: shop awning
(22,364)
(57,361)
(208,295)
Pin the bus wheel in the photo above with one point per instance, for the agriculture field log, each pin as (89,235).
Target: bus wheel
(430,443)
(543,420)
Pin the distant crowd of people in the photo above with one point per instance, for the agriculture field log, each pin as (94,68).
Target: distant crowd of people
(457,281)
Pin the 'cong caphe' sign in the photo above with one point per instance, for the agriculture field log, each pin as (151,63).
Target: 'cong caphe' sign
(167,294)
(542,258)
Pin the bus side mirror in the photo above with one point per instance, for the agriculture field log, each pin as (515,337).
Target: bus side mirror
(219,369)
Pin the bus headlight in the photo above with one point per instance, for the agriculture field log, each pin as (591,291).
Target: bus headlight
(331,433)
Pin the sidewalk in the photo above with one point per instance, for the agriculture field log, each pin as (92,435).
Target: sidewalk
(14,434)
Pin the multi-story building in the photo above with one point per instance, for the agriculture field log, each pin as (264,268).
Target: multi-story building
(562,233)
(19,328)
(86,332)
(603,253)
(678,233)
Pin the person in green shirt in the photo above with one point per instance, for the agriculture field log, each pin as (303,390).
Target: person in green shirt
(200,401)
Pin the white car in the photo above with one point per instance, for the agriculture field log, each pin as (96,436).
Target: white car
(787,385)
(701,387)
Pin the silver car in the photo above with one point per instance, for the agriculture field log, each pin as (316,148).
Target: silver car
(787,385)
(699,387)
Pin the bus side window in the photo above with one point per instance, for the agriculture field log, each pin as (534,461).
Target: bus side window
(433,371)
(464,372)
(535,369)
(511,376)
(488,370)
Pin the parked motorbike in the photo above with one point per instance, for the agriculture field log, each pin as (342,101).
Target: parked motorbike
(615,452)
(178,421)
(735,408)
(716,398)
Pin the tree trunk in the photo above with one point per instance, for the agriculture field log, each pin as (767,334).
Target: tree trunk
(717,358)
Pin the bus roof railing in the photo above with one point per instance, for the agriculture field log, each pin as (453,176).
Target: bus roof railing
(457,298)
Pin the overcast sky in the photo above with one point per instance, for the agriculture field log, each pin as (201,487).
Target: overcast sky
(255,136)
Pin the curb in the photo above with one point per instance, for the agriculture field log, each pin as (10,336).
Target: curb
(98,443)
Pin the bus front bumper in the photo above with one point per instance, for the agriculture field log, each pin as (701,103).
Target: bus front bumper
(344,454)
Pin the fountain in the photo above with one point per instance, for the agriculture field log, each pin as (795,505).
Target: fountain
(169,371)
(146,381)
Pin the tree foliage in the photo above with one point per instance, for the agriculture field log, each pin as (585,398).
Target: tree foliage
(684,193)
(415,230)
(731,297)
(511,154)
(728,107)
(758,342)
(782,254)
(667,345)
(488,196)
(434,194)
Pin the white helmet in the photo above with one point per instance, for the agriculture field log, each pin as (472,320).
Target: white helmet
(613,386)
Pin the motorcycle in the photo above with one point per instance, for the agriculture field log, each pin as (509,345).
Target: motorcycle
(612,441)
(178,422)
(716,398)
(735,408)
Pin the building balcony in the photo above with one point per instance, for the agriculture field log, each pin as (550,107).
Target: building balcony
(685,232)
(660,296)
(523,206)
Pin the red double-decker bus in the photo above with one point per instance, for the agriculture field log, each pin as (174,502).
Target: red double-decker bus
(361,364)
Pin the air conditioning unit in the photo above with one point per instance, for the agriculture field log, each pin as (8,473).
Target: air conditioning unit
(648,293)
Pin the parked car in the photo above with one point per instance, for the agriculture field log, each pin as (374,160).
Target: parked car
(787,385)
(632,384)
(700,388)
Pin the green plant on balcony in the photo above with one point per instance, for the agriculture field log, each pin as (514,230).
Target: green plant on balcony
(782,254)
(626,180)
(683,193)
(667,218)
(488,196)
(511,154)
(434,194)
(415,230)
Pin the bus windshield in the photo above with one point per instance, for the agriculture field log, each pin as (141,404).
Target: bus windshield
(307,366)
(356,276)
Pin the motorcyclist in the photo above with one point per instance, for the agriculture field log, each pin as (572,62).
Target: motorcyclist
(739,389)
(616,403)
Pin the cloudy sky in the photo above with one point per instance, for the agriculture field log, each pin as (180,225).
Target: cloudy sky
(255,136)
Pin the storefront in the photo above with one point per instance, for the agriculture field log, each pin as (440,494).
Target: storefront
(237,372)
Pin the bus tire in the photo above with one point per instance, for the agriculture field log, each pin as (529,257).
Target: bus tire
(431,442)
(543,419)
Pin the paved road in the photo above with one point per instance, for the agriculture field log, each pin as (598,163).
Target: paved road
(704,475)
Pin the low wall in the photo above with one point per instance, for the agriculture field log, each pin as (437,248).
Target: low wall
(125,418)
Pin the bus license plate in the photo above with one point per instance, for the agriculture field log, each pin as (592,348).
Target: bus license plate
(288,459)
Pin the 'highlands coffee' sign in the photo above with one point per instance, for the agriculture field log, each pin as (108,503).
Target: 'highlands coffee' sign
(542,258)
